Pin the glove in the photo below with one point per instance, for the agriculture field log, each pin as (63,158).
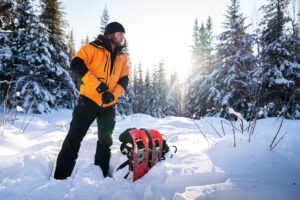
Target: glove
(102,87)
(107,97)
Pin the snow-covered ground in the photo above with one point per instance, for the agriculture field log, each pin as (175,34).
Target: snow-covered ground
(197,171)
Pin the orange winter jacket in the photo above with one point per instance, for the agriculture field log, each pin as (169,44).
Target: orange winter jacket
(97,60)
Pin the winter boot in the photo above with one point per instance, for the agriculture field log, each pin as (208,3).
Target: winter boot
(102,157)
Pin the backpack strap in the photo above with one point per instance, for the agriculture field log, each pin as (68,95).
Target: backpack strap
(124,164)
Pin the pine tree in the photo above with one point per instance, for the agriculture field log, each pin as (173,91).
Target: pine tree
(163,86)
(71,45)
(173,100)
(234,62)
(140,89)
(42,83)
(280,70)
(104,20)
(134,89)
(138,84)
(155,106)
(199,78)
(6,28)
(146,93)
(71,52)
(126,50)
(195,47)
(126,101)
(6,14)
(85,41)
(52,16)
(158,91)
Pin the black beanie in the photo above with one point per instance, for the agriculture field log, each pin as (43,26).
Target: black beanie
(113,27)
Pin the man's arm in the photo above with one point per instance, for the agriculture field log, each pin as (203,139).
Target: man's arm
(79,67)
(123,81)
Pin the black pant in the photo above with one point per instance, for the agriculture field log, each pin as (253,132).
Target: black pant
(83,116)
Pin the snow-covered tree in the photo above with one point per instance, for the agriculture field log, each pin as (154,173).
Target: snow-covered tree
(195,47)
(5,62)
(158,91)
(146,93)
(104,20)
(71,52)
(52,17)
(138,84)
(71,45)
(6,14)
(85,41)
(155,106)
(199,78)
(126,101)
(234,61)
(173,99)
(6,25)
(42,83)
(279,66)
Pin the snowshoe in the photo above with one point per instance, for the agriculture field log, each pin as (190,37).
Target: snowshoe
(144,148)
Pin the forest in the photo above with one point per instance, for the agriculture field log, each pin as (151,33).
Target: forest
(254,73)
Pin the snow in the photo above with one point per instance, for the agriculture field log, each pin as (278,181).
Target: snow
(197,171)
(19,109)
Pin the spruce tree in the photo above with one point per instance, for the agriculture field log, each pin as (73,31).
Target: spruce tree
(126,101)
(43,85)
(6,14)
(155,106)
(85,41)
(163,86)
(6,28)
(71,52)
(199,78)
(147,94)
(104,20)
(134,89)
(52,16)
(234,61)
(139,98)
(138,84)
(158,91)
(279,65)
(173,99)
(71,45)
(195,47)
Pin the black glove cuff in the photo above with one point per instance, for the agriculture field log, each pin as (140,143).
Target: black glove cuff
(102,87)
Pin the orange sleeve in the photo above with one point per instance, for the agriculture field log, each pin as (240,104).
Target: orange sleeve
(86,53)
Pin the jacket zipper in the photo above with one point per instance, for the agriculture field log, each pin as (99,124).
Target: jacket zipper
(105,63)
(107,73)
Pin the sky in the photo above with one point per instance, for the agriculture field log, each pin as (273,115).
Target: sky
(156,30)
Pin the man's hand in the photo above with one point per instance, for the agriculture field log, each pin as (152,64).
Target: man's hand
(102,87)
(107,97)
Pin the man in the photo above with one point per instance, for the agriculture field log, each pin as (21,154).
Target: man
(103,69)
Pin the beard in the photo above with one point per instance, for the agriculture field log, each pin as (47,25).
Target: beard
(117,43)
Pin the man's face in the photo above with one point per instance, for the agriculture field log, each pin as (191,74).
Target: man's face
(119,39)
